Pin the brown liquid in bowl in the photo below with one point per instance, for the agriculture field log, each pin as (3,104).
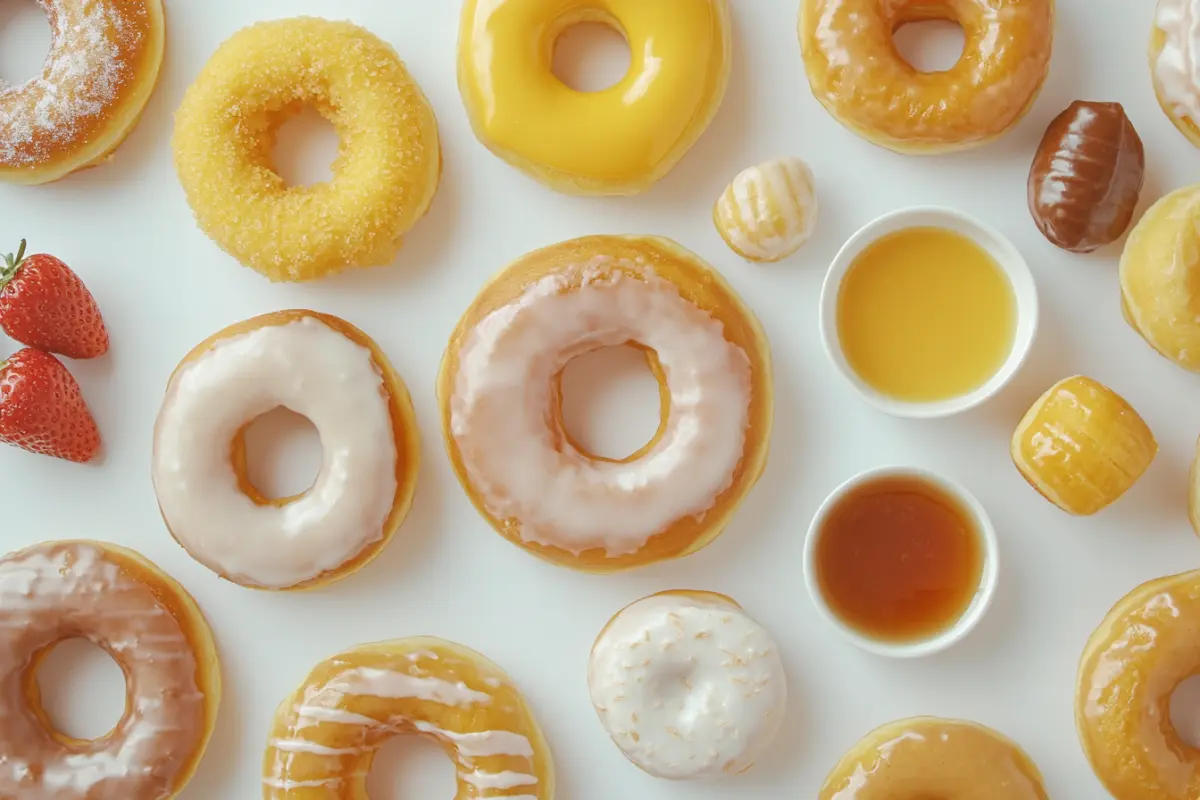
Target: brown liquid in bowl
(898,559)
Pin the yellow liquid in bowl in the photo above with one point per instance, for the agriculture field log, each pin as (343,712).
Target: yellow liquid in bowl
(926,314)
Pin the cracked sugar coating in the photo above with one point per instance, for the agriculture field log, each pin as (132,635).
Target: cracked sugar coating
(688,685)
(385,174)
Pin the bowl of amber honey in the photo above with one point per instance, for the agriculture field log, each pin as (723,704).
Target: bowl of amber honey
(903,562)
(928,312)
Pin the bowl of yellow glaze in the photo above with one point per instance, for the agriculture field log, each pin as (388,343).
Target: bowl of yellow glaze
(928,312)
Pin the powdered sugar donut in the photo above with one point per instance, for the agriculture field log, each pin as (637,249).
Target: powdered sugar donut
(688,685)
(102,67)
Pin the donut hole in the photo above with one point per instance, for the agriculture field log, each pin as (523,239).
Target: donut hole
(931,45)
(1185,710)
(611,403)
(411,766)
(591,56)
(82,689)
(24,41)
(282,454)
(306,146)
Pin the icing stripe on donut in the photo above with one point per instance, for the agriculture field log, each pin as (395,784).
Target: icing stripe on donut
(1177,67)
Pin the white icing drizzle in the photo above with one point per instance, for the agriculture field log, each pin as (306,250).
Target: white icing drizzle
(524,470)
(63,589)
(687,687)
(388,683)
(481,744)
(1177,68)
(768,211)
(314,370)
(82,78)
(498,780)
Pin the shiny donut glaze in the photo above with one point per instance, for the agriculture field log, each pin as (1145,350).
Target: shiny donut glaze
(1086,176)
(151,628)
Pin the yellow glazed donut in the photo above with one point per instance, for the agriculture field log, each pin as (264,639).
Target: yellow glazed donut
(618,141)
(385,175)
(151,627)
(102,67)
(1174,50)
(1082,446)
(1143,649)
(930,757)
(326,370)
(1160,277)
(856,72)
(326,734)
(500,394)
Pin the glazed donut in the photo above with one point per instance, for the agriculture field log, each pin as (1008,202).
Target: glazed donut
(1159,268)
(619,141)
(855,71)
(1142,650)
(931,757)
(326,370)
(150,626)
(385,175)
(326,734)
(102,67)
(500,395)
(1174,51)
(687,685)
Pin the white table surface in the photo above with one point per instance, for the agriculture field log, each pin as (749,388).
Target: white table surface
(163,286)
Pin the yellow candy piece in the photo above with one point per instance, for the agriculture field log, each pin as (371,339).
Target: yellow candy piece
(769,210)
(1082,446)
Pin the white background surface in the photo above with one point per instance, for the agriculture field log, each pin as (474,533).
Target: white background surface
(163,286)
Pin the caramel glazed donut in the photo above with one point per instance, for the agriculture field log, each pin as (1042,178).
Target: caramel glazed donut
(322,368)
(1143,649)
(930,757)
(151,627)
(326,734)
(102,67)
(855,71)
(500,394)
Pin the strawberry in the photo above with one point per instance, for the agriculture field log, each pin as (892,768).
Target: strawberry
(42,409)
(43,304)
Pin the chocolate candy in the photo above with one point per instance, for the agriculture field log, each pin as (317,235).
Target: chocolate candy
(1086,176)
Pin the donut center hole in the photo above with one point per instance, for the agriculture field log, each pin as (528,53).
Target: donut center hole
(24,41)
(591,56)
(411,766)
(82,689)
(283,454)
(931,45)
(1185,711)
(611,406)
(306,145)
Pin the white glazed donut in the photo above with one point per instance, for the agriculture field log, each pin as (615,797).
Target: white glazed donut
(321,368)
(501,402)
(688,685)
(1175,63)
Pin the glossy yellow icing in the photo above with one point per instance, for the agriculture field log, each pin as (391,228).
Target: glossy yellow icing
(1145,647)
(619,140)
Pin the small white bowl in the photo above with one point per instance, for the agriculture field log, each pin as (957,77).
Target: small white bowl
(1014,266)
(987,578)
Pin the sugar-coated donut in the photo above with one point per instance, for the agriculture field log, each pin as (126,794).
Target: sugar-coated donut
(618,141)
(150,626)
(1174,54)
(688,685)
(856,72)
(326,370)
(1142,650)
(769,210)
(326,734)
(102,67)
(385,175)
(500,395)
(931,757)
(1159,270)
